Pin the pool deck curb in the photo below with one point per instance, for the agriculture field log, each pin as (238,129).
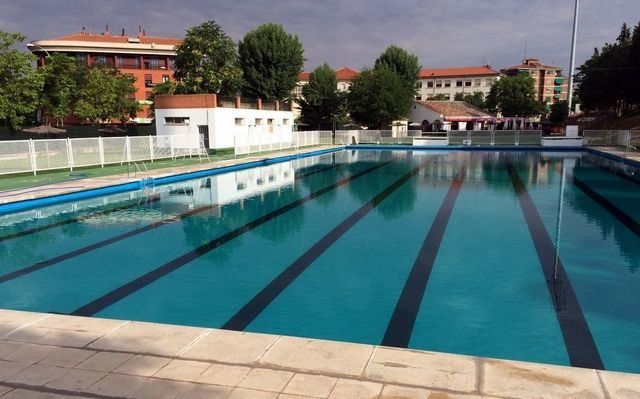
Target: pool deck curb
(59,356)
(44,195)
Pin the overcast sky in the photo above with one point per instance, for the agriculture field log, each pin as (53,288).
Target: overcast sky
(354,32)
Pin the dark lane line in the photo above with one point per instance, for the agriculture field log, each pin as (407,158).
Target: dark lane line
(578,340)
(403,319)
(618,213)
(105,212)
(268,294)
(121,292)
(72,254)
(75,219)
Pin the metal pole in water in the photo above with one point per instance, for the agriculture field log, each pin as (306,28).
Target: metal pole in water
(573,55)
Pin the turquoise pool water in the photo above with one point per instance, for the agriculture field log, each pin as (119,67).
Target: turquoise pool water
(520,255)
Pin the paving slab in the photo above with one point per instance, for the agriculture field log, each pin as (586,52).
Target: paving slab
(118,385)
(149,338)
(28,394)
(160,389)
(243,393)
(425,369)
(29,353)
(67,357)
(207,392)
(316,386)
(266,380)
(318,355)
(352,389)
(9,369)
(36,375)
(76,380)
(145,366)
(104,361)
(231,347)
(182,370)
(528,380)
(226,375)
(621,385)
(12,319)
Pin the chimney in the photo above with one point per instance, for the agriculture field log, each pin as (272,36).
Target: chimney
(143,32)
(83,30)
(106,30)
(122,32)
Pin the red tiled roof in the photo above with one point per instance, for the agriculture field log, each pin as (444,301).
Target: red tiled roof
(454,109)
(92,37)
(458,71)
(343,73)
(531,63)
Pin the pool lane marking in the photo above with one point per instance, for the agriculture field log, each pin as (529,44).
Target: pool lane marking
(578,340)
(252,309)
(72,254)
(121,292)
(616,212)
(153,198)
(403,318)
(76,219)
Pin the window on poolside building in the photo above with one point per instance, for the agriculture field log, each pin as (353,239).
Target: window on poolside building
(438,83)
(176,120)
(239,121)
(447,83)
(458,83)
(430,84)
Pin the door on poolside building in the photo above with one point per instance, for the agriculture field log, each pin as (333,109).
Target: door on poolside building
(204,131)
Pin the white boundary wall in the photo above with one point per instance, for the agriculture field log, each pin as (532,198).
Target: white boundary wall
(20,156)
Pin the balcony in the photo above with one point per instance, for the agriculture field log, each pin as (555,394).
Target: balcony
(559,80)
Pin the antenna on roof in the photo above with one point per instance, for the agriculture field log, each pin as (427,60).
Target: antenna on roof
(106,29)
(83,30)
(122,31)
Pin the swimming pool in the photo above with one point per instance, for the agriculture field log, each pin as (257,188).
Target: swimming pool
(443,250)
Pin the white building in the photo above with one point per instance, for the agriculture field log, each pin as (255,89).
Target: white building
(221,121)
(446,82)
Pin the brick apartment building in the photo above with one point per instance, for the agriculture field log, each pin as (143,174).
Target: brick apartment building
(550,85)
(149,59)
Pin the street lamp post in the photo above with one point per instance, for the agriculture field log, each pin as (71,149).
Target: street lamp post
(573,54)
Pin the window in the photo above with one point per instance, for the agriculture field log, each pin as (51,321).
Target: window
(419,85)
(447,83)
(270,121)
(489,82)
(128,62)
(148,80)
(467,83)
(165,78)
(438,83)
(172,63)
(418,97)
(155,63)
(82,58)
(259,121)
(477,82)
(458,83)
(430,84)
(239,121)
(176,120)
(447,96)
(285,121)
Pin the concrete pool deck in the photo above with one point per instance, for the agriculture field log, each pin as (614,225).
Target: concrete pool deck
(57,356)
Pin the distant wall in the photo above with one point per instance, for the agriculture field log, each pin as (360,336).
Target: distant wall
(78,132)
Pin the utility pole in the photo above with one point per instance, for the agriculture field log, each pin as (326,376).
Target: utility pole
(573,55)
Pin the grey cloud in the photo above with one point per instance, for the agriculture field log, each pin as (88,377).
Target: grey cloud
(354,32)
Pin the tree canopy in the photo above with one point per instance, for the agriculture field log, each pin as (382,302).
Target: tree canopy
(514,96)
(610,79)
(61,76)
(20,83)
(271,60)
(321,103)
(207,61)
(377,97)
(404,64)
(559,112)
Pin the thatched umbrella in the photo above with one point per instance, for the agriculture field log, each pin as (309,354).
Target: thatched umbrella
(44,129)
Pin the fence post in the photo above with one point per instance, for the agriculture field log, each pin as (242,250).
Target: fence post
(101,151)
(70,154)
(173,153)
(151,154)
(32,156)
(517,137)
(127,143)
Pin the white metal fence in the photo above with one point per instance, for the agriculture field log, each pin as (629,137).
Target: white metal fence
(19,156)
(259,141)
(629,139)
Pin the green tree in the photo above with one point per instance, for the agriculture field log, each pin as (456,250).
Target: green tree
(61,74)
(559,112)
(459,96)
(321,103)
(271,60)
(476,99)
(404,64)
(375,98)
(105,94)
(20,83)
(514,96)
(634,67)
(207,61)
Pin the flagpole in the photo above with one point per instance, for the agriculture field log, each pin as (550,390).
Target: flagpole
(573,55)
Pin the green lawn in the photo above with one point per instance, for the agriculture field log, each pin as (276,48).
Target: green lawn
(25,180)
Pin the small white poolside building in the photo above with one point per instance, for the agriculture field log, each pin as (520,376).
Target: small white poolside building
(222,121)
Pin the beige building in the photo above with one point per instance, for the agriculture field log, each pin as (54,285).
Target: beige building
(449,81)
(550,85)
